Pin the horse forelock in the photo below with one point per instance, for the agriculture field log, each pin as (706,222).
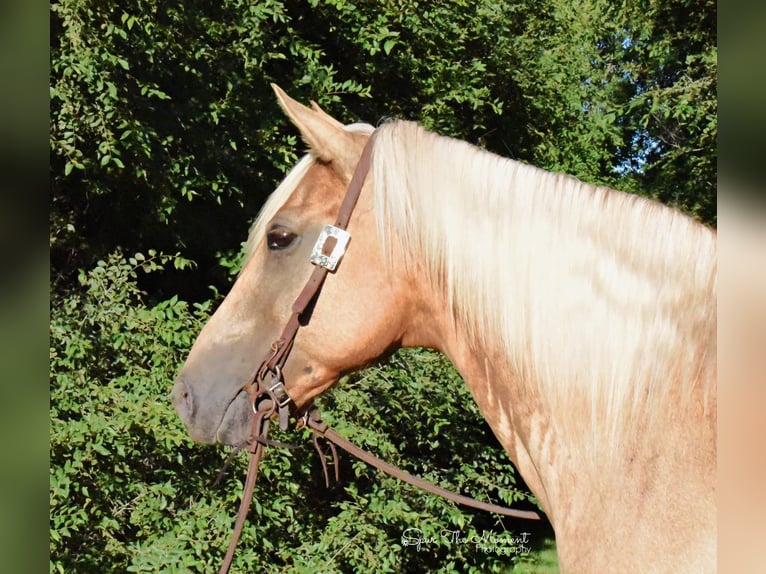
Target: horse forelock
(603,301)
(274,203)
(284,191)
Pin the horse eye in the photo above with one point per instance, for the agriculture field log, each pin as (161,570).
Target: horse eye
(279,238)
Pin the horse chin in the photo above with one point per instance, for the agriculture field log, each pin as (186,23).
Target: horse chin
(234,429)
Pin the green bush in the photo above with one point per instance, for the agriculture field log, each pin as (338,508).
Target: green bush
(115,444)
(130,492)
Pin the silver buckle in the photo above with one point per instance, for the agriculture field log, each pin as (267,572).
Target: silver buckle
(279,392)
(330,262)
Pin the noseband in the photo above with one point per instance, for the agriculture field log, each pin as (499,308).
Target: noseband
(269,396)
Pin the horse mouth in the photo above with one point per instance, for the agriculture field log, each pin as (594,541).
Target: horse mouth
(209,418)
(225,418)
(234,428)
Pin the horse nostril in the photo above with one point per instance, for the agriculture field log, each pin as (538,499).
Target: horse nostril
(183,400)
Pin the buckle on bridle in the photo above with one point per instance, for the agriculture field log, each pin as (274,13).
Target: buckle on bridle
(279,395)
(274,391)
(279,392)
(330,261)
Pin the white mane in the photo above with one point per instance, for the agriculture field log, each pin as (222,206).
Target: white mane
(600,298)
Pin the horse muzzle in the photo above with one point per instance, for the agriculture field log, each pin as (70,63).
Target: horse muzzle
(210,419)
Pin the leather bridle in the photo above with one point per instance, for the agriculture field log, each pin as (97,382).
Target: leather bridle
(268,394)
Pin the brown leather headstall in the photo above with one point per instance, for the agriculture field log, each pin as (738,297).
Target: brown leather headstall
(268,394)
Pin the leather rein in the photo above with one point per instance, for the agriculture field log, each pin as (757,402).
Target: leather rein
(269,397)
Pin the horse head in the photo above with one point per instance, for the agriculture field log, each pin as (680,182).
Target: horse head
(361,315)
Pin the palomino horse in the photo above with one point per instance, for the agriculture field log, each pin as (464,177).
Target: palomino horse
(582,319)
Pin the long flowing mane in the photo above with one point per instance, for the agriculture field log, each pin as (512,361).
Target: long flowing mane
(601,299)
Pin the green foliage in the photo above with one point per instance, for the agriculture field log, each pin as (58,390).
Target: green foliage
(399,51)
(130,492)
(115,444)
(625,94)
(162,115)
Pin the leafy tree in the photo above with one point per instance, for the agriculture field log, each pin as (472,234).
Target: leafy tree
(165,134)
(625,94)
(164,130)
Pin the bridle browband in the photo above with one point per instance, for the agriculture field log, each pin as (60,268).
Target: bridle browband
(269,396)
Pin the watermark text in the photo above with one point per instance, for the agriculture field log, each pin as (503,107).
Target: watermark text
(488,541)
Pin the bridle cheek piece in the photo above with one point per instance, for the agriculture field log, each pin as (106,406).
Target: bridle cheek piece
(269,396)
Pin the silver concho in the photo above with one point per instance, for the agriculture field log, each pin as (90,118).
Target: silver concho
(330,262)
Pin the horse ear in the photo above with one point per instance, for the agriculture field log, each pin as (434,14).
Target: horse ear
(324,134)
(325,115)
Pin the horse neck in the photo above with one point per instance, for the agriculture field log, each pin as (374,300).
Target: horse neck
(583,467)
(650,498)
